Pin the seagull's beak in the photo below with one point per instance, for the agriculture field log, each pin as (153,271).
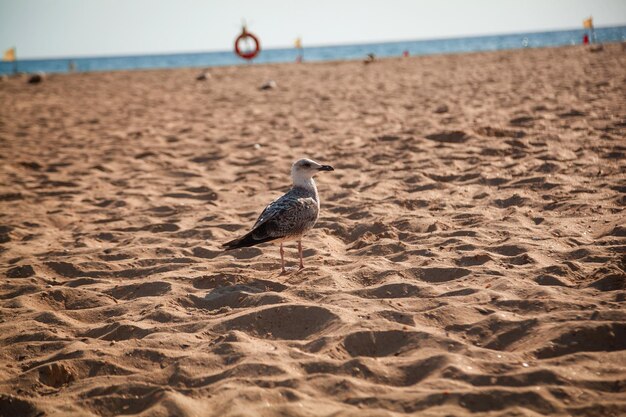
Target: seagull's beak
(326,168)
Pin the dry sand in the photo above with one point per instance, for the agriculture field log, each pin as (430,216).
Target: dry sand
(469,257)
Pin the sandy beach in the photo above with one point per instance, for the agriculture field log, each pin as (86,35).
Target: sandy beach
(469,258)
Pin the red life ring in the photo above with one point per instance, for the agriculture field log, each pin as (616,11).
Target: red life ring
(251,54)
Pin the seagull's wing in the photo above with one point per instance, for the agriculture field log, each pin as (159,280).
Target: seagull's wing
(287,216)
(291,216)
(270,210)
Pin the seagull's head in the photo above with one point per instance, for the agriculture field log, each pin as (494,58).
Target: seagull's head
(304,169)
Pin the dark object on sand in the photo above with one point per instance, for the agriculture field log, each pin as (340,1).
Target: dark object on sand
(596,47)
(370,58)
(442,109)
(271,84)
(35,79)
(203,76)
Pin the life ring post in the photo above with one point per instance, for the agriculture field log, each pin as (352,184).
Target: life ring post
(244,36)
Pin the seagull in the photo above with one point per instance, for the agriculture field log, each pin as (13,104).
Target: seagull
(288,217)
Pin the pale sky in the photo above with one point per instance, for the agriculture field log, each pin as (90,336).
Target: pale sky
(70,28)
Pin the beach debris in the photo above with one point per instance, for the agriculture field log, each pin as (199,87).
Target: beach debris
(370,58)
(36,78)
(269,85)
(442,109)
(596,47)
(290,216)
(203,76)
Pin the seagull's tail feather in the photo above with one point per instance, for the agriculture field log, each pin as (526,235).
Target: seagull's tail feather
(245,241)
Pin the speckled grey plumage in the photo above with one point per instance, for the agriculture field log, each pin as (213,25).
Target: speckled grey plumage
(290,216)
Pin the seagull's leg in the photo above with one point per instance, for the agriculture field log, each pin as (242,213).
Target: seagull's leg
(282,258)
(300,253)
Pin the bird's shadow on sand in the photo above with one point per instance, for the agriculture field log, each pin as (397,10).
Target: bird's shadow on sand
(243,253)
(246,253)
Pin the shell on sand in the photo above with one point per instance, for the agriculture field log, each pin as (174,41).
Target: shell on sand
(467,261)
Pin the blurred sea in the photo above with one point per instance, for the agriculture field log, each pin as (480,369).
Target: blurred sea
(319,53)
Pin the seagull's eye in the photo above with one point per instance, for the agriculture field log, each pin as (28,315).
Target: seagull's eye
(306,165)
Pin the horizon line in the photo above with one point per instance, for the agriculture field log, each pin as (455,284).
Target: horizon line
(123,55)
